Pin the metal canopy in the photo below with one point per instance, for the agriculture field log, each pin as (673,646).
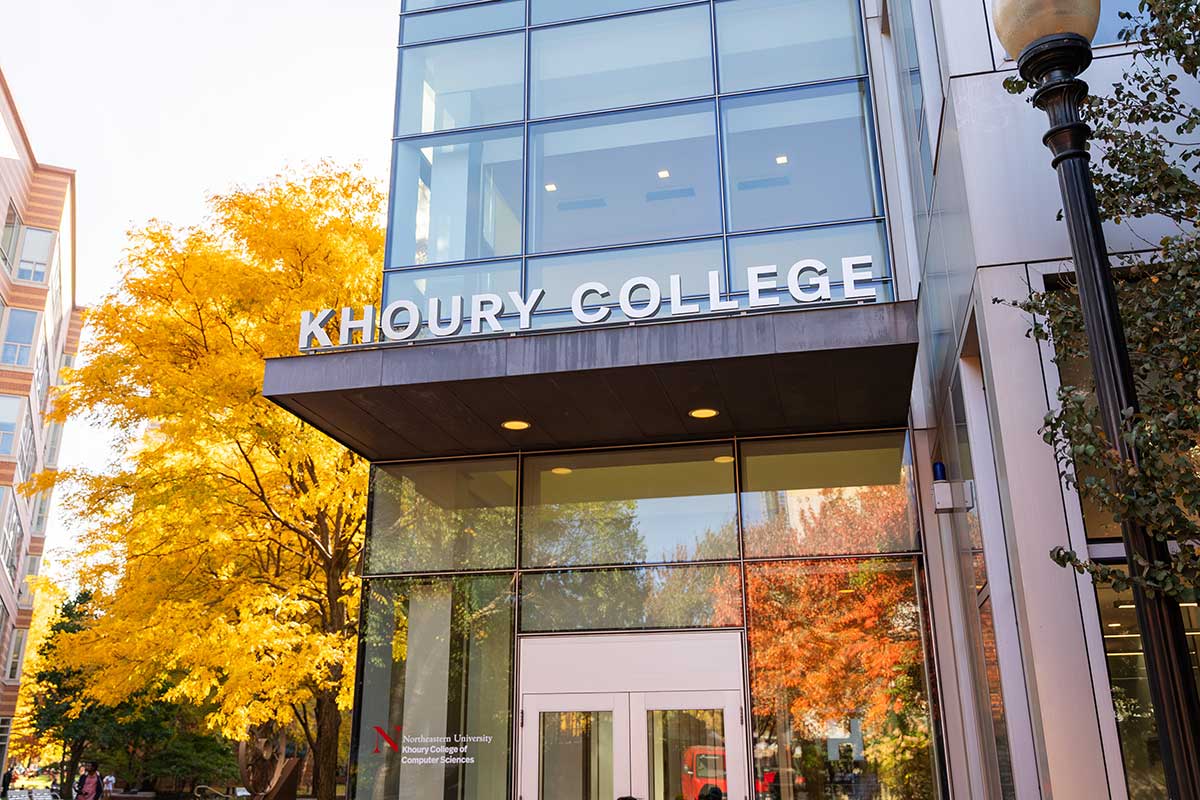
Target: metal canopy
(784,371)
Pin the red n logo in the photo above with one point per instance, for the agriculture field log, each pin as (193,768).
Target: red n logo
(381,734)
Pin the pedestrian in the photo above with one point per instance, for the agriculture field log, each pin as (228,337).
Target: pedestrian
(7,780)
(90,785)
(110,783)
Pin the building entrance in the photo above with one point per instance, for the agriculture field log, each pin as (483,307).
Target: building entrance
(648,716)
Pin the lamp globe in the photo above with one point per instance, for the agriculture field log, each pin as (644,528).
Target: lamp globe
(1020,23)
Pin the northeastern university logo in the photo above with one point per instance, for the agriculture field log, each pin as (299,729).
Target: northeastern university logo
(426,751)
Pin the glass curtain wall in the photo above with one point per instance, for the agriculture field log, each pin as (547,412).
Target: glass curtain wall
(560,142)
(810,544)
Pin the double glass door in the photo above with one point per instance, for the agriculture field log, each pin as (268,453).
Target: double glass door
(646,745)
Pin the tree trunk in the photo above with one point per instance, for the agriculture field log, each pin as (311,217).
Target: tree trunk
(325,755)
(74,754)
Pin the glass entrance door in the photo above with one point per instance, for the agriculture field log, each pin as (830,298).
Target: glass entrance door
(645,745)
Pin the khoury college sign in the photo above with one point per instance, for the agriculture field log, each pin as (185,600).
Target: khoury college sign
(807,281)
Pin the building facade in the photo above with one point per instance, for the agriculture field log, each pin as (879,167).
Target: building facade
(686,305)
(39,335)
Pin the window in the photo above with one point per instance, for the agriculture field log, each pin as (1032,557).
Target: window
(560,10)
(16,654)
(799,156)
(54,432)
(461,84)
(828,495)
(1111,23)
(443,516)
(11,537)
(456,197)
(605,64)
(629,506)
(10,413)
(8,239)
(26,452)
(41,379)
(37,246)
(767,43)
(416,632)
(633,176)
(468,21)
(41,510)
(18,337)
(420,285)
(54,325)
(25,593)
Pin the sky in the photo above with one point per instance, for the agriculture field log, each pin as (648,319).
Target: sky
(158,104)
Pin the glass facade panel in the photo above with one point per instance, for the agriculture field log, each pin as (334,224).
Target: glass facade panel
(461,84)
(691,261)
(419,285)
(604,64)
(621,178)
(1131,688)
(446,515)
(837,680)
(576,755)
(797,278)
(629,506)
(777,42)
(456,197)
(828,495)
(686,750)
(799,156)
(559,10)
(703,596)
(437,665)
(1111,23)
(485,18)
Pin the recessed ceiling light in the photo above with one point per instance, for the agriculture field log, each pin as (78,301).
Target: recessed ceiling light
(664,173)
(703,413)
(515,425)
(724,459)
(781,159)
(1114,624)
(562,470)
(551,187)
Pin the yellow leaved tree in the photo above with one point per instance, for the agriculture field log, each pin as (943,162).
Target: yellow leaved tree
(222,541)
(25,746)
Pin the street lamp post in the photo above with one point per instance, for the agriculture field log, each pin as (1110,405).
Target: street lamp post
(1053,38)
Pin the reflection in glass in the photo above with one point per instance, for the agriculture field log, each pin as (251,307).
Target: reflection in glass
(799,156)
(419,285)
(776,42)
(687,754)
(576,755)
(1111,23)
(837,680)
(629,506)
(437,664)
(479,18)
(1131,689)
(604,64)
(439,516)
(828,495)
(692,261)
(461,84)
(702,596)
(627,177)
(456,197)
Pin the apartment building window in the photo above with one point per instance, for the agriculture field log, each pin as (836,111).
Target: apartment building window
(8,240)
(16,654)
(10,538)
(41,378)
(33,565)
(54,432)
(26,452)
(10,412)
(18,337)
(54,323)
(37,245)
(41,511)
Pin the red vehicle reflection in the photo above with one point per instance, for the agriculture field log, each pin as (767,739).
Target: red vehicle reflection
(704,771)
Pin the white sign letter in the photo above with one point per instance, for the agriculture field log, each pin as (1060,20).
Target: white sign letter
(454,326)
(715,303)
(388,323)
(366,325)
(757,278)
(312,326)
(652,304)
(818,290)
(581,293)
(526,307)
(678,307)
(851,274)
(485,308)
